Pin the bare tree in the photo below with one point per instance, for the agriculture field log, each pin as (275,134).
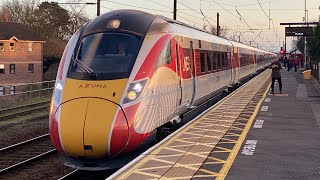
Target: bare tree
(5,14)
(77,15)
(223,31)
(19,10)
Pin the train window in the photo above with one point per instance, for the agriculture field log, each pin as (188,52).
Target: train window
(219,61)
(209,62)
(177,58)
(202,62)
(108,53)
(225,60)
(228,61)
(165,55)
(214,61)
(222,61)
(247,59)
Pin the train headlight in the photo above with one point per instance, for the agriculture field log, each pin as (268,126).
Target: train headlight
(134,91)
(138,87)
(132,95)
(114,24)
(57,92)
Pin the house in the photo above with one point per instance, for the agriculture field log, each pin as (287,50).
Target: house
(21,57)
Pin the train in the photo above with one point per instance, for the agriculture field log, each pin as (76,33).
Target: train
(127,75)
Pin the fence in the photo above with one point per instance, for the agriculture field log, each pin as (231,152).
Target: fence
(315,69)
(26,93)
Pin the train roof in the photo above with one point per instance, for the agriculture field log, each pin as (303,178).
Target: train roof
(133,21)
(142,23)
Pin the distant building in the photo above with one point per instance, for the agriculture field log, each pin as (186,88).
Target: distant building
(21,57)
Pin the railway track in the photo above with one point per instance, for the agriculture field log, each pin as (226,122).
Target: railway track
(24,153)
(10,113)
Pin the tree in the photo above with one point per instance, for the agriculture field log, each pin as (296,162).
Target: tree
(5,15)
(313,45)
(51,21)
(18,11)
(223,31)
(300,44)
(77,16)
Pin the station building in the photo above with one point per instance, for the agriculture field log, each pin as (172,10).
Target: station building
(21,57)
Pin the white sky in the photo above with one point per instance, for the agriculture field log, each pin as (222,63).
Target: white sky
(280,11)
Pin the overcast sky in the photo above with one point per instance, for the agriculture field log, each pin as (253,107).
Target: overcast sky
(250,10)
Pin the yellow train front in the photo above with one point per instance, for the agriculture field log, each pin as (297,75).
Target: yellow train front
(94,101)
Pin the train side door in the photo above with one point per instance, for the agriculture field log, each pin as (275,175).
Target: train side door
(232,66)
(236,63)
(192,64)
(178,69)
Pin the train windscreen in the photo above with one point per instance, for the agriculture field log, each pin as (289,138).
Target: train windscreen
(110,55)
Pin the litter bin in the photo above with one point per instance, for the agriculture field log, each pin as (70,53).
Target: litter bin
(306,74)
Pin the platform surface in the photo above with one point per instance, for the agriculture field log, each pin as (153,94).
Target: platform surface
(286,137)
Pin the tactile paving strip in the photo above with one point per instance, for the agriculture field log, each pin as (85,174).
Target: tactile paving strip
(212,166)
(187,154)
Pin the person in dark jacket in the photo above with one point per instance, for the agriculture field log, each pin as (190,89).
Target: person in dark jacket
(276,75)
(285,62)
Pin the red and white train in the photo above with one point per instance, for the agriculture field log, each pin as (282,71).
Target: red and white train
(126,73)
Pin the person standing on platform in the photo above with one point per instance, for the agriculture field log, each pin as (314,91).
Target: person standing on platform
(289,65)
(276,75)
(285,62)
(299,62)
(295,63)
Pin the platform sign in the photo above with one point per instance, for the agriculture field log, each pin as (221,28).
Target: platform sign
(299,31)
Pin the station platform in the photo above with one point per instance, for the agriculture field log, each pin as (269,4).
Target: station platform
(250,134)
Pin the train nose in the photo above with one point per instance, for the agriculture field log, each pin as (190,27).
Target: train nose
(85,125)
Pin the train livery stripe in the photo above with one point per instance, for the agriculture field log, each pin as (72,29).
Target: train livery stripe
(151,59)
(87,112)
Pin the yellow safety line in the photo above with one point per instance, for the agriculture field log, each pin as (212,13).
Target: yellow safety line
(226,167)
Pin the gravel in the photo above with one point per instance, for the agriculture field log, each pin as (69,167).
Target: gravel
(17,132)
(49,168)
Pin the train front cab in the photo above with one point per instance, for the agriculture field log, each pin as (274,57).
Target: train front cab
(92,84)
(97,110)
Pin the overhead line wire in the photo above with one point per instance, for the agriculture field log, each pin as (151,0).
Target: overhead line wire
(135,6)
(194,10)
(189,20)
(244,20)
(263,10)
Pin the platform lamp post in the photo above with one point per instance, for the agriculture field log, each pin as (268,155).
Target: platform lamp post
(305,38)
